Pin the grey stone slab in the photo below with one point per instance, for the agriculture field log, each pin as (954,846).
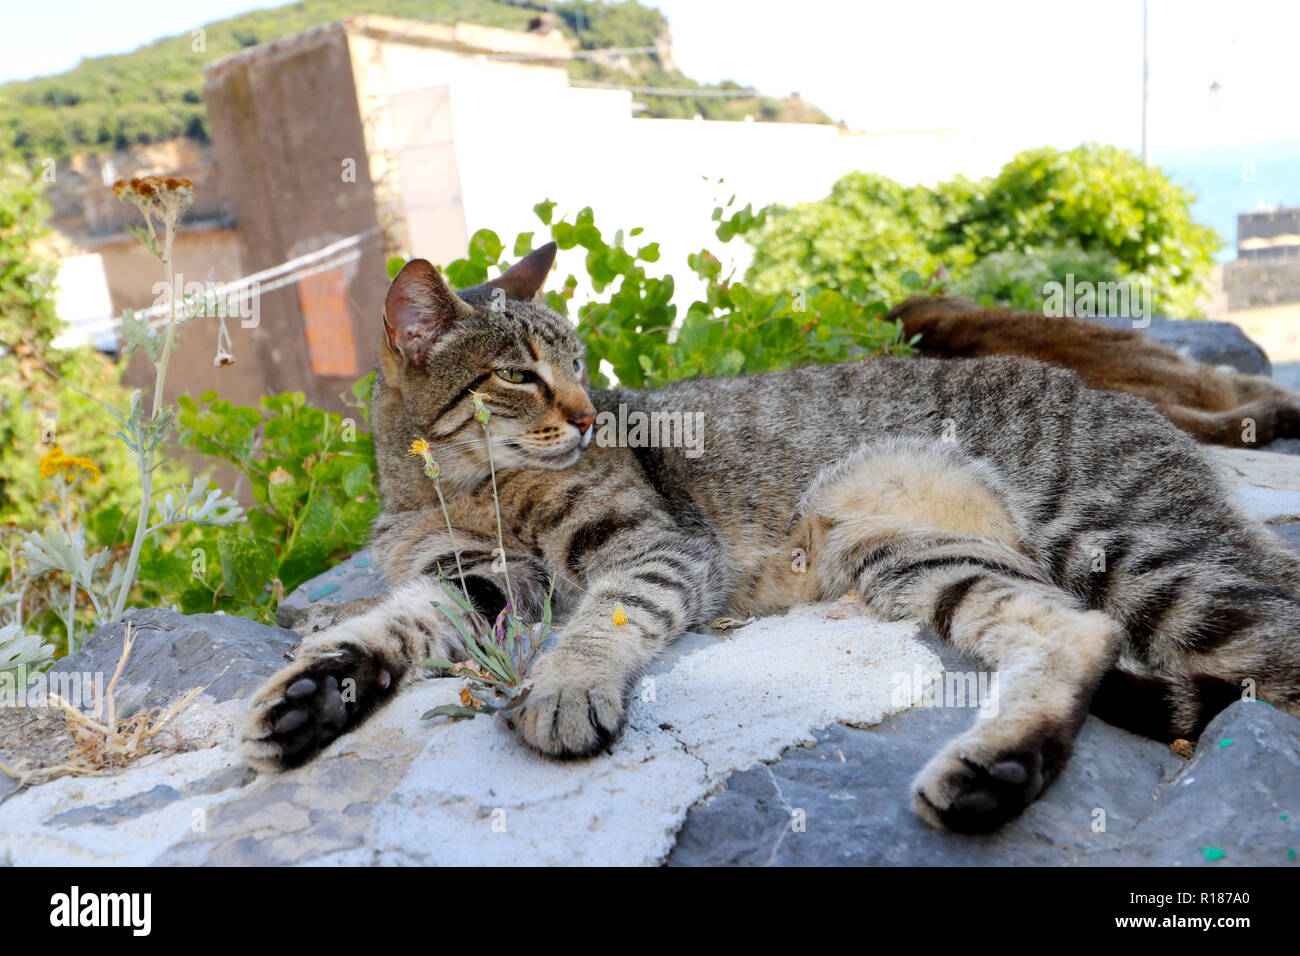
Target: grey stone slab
(115,812)
(852,793)
(174,653)
(343,591)
(1214,343)
(1289,533)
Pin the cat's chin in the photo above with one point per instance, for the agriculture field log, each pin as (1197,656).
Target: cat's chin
(556,462)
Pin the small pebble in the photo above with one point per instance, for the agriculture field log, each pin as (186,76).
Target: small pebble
(1213,853)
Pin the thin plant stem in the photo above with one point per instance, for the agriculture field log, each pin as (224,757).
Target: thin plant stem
(145,458)
(72,577)
(455,548)
(492,468)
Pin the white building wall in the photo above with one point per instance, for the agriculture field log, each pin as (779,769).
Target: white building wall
(520,134)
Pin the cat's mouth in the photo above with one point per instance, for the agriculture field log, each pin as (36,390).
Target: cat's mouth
(559,458)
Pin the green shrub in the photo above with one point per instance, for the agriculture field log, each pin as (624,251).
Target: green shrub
(869,229)
(1096,205)
(1105,200)
(1017,279)
(312,476)
(638,330)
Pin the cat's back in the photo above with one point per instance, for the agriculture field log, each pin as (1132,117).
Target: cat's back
(773,430)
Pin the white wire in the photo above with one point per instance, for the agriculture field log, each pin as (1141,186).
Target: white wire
(267,280)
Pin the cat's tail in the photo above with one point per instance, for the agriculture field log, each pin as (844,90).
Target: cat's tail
(1163,707)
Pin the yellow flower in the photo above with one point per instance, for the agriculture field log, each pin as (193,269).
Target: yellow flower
(50,462)
(620,616)
(419,448)
(72,467)
(78,467)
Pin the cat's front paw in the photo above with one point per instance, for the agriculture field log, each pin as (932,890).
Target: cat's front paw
(969,787)
(306,705)
(571,711)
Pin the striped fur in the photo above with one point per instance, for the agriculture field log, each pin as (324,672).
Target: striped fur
(1072,539)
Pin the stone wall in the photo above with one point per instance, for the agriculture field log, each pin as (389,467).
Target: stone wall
(1251,283)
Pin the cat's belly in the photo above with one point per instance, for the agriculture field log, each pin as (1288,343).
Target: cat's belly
(773,572)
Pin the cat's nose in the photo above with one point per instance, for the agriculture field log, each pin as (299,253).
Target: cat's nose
(583,421)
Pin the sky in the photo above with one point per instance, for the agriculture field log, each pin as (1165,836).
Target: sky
(1059,72)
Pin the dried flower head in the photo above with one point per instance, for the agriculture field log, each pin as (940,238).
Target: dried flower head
(620,616)
(160,199)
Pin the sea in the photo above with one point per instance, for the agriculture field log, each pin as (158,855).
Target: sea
(1228,180)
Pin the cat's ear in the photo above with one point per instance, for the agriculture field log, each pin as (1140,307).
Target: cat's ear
(419,309)
(524,279)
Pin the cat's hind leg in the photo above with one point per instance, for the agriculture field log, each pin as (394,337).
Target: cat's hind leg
(924,534)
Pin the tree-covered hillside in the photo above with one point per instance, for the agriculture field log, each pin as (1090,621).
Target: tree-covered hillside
(156,92)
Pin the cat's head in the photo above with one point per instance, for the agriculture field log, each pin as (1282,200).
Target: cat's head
(442,348)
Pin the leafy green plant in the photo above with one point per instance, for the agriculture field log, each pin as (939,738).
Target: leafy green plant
(1098,205)
(638,331)
(870,229)
(1017,279)
(311,474)
(1105,200)
(499,656)
(40,407)
(107,579)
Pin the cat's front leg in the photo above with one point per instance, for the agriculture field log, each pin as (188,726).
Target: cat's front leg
(635,605)
(580,692)
(342,674)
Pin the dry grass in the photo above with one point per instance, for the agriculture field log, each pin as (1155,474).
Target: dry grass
(102,740)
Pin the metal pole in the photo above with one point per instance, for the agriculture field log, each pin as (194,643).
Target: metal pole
(1146,76)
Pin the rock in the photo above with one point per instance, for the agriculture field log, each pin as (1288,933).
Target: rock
(1266,485)
(1238,794)
(1213,343)
(1289,533)
(1122,800)
(173,654)
(341,592)
(399,790)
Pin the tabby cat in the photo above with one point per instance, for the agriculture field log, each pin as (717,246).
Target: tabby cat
(1217,405)
(1072,539)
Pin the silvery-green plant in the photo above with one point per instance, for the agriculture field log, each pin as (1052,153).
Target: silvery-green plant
(108,582)
(19,649)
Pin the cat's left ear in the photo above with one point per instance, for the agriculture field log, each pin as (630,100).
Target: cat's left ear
(524,279)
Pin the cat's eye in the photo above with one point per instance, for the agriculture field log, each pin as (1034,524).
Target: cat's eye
(515,376)
(577,366)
